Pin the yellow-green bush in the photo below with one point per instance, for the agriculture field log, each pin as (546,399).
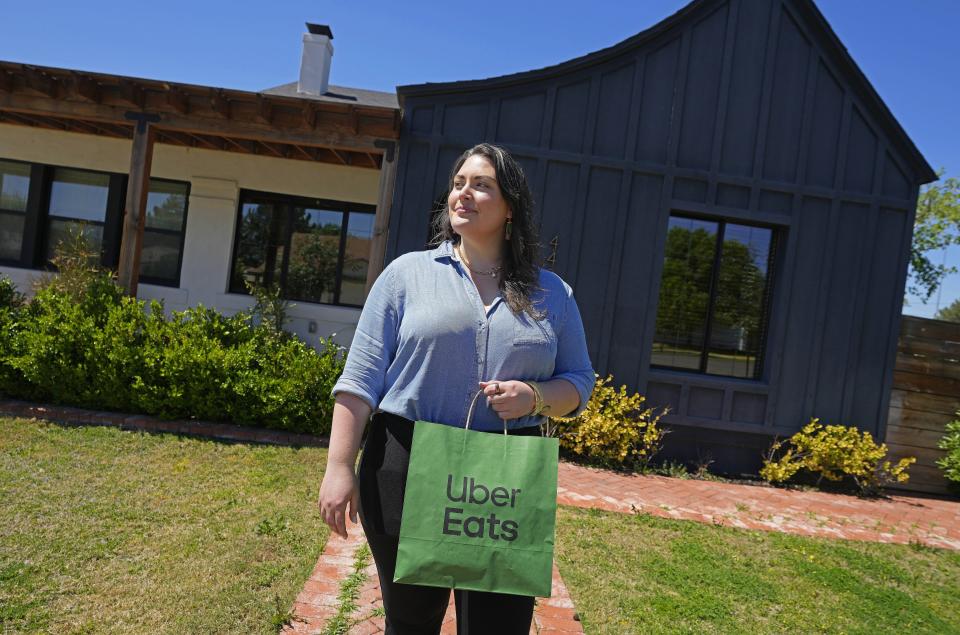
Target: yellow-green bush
(614,429)
(950,463)
(835,452)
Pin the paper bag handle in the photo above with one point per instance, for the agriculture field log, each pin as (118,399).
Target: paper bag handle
(470,412)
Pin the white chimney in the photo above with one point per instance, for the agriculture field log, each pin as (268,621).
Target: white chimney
(315,61)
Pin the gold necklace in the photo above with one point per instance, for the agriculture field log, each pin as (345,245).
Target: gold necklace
(492,273)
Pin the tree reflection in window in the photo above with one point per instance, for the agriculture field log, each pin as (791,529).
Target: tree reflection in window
(313,252)
(711,315)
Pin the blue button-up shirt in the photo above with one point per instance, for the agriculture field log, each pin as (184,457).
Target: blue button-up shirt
(424,342)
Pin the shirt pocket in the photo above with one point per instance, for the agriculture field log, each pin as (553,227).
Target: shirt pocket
(536,336)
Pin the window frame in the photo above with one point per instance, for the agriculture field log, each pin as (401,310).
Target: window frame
(45,216)
(287,202)
(154,280)
(776,238)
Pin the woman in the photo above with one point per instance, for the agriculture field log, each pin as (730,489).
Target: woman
(474,313)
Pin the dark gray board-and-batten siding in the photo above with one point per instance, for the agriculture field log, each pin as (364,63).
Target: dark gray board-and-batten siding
(745,110)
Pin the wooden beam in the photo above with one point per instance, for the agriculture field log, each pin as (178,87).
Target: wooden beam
(304,153)
(176,138)
(206,141)
(242,146)
(310,116)
(89,128)
(39,82)
(251,130)
(6,81)
(264,112)
(340,156)
(134,211)
(273,149)
(119,131)
(23,120)
(381,221)
(354,121)
(82,87)
(219,103)
(130,93)
(177,100)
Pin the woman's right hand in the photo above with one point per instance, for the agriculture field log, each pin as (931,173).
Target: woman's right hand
(338,490)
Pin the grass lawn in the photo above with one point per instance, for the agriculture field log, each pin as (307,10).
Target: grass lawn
(645,574)
(128,532)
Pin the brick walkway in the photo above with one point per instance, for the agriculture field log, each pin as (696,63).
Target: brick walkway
(317,603)
(899,519)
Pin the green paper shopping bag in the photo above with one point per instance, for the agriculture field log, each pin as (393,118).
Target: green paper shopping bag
(479,510)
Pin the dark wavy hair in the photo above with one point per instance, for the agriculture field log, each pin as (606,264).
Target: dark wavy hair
(521,267)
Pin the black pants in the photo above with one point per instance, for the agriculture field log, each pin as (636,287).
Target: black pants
(414,609)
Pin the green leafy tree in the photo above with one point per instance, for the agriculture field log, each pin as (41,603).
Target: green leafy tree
(949,313)
(937,227)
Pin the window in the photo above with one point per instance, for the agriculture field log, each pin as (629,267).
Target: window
(14,190)
(161,252)
(712,313)
(34,220)
(78,199)
(315,251)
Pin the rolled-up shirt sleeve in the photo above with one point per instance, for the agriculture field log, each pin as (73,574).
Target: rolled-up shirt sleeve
(573,360)
(374,343)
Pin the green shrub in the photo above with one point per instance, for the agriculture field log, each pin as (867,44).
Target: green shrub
(835,452)
(10,298)
(81,342)
(11,308)
(613,430)
(950,464)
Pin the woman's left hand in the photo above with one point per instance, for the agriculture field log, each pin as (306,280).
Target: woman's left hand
(509,399)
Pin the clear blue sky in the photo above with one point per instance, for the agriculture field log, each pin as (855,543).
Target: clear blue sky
(908,49)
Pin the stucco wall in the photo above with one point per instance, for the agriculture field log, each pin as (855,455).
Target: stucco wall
(216,179)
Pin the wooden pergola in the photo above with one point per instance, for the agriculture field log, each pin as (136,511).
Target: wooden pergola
(151,111)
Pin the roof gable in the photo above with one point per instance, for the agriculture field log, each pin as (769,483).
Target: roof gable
(800,20)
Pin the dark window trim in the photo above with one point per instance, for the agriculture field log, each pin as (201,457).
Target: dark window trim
(37,216)
(776,232)
(287,202)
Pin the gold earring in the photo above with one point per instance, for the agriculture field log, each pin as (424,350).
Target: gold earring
(509,228)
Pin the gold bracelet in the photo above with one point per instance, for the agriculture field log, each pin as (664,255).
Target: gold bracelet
(538,404)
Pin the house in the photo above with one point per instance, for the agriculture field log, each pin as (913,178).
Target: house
(731,201)
(287,185)
(727,194)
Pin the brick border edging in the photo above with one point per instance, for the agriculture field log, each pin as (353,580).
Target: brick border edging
(146,423)
(318,601)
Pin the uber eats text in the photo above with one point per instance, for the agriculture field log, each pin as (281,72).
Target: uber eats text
(468,490)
